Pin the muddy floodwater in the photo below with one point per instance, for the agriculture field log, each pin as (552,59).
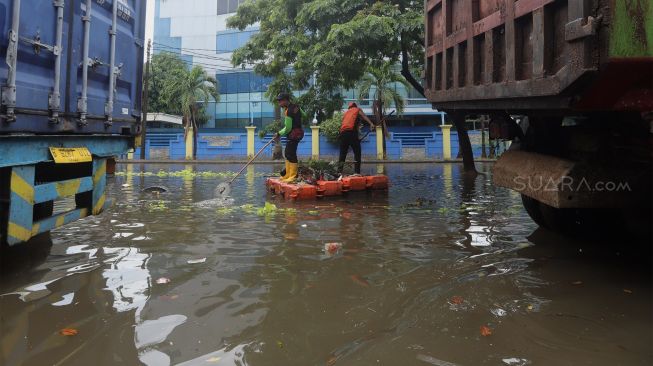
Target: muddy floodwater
(437,271)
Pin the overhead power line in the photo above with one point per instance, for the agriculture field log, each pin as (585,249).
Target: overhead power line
(206,64)
(191,49)
(186,51)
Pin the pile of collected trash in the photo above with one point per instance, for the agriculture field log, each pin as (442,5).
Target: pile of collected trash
(320,170)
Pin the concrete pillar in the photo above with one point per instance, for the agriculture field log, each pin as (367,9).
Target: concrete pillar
(189,144)
(250,141)
(379,142)
(446,142)
(315,142)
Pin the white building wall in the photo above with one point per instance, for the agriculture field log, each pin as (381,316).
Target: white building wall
(197,23)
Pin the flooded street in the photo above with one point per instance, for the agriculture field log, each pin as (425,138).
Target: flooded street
(437,271)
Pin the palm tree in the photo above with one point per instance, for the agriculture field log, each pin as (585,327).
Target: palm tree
(382,79)
(190,88)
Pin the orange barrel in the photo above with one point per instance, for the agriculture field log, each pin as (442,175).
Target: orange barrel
(377,182)
(354,184)
(300,191)
(329,188)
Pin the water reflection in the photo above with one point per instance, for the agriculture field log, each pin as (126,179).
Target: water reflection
(419,269)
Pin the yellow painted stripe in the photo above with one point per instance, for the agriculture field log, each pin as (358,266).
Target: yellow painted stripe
(35,228)
(99,205)
(60,221)
(83,213)
(22,188)
(68,188)
(102,169)
(18,232)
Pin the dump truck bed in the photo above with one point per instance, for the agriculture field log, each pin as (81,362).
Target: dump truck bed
(539,54)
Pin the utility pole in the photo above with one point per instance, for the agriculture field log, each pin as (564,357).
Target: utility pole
(145,100)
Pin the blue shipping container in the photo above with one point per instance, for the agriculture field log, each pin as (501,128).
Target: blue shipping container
(70,87)
(45,89)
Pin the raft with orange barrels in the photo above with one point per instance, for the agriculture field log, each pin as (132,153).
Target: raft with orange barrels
(326,188)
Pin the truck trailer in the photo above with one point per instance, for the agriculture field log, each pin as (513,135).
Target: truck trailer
(70,100)
(580,72)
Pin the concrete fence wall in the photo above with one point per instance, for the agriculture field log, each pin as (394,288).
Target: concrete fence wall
(402,144)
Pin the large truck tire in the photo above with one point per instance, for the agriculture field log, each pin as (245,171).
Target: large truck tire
(532,207)
(549,151)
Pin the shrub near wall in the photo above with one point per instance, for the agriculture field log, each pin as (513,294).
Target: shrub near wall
(331,128)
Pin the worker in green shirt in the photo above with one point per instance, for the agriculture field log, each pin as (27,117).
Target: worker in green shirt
(292,121)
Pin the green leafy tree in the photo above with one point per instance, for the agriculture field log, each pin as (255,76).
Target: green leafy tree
(331,127)
(190,88)
(325,45)
(162,67)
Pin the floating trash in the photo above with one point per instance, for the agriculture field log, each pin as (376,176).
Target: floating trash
(485,331)
(196,261)
(332,248)
(68,332)
(514,361)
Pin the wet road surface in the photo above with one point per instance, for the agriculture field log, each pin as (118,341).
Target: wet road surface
(438,271)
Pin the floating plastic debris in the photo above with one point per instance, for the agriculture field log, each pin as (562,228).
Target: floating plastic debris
(514,361)
(332,248)
(196,261)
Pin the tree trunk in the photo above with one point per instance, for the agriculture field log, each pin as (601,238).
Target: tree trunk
(405,69)
(464,144)
(377,109)
(195,136)
(187,124)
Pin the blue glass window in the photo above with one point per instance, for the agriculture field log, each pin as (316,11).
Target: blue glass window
(229,41)
(228,6)
(242,82)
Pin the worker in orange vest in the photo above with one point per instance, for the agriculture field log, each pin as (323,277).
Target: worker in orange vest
(349,135)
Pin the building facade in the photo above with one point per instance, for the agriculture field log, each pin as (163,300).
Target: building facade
(198,33)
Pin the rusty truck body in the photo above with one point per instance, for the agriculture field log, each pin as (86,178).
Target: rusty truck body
(581,72)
